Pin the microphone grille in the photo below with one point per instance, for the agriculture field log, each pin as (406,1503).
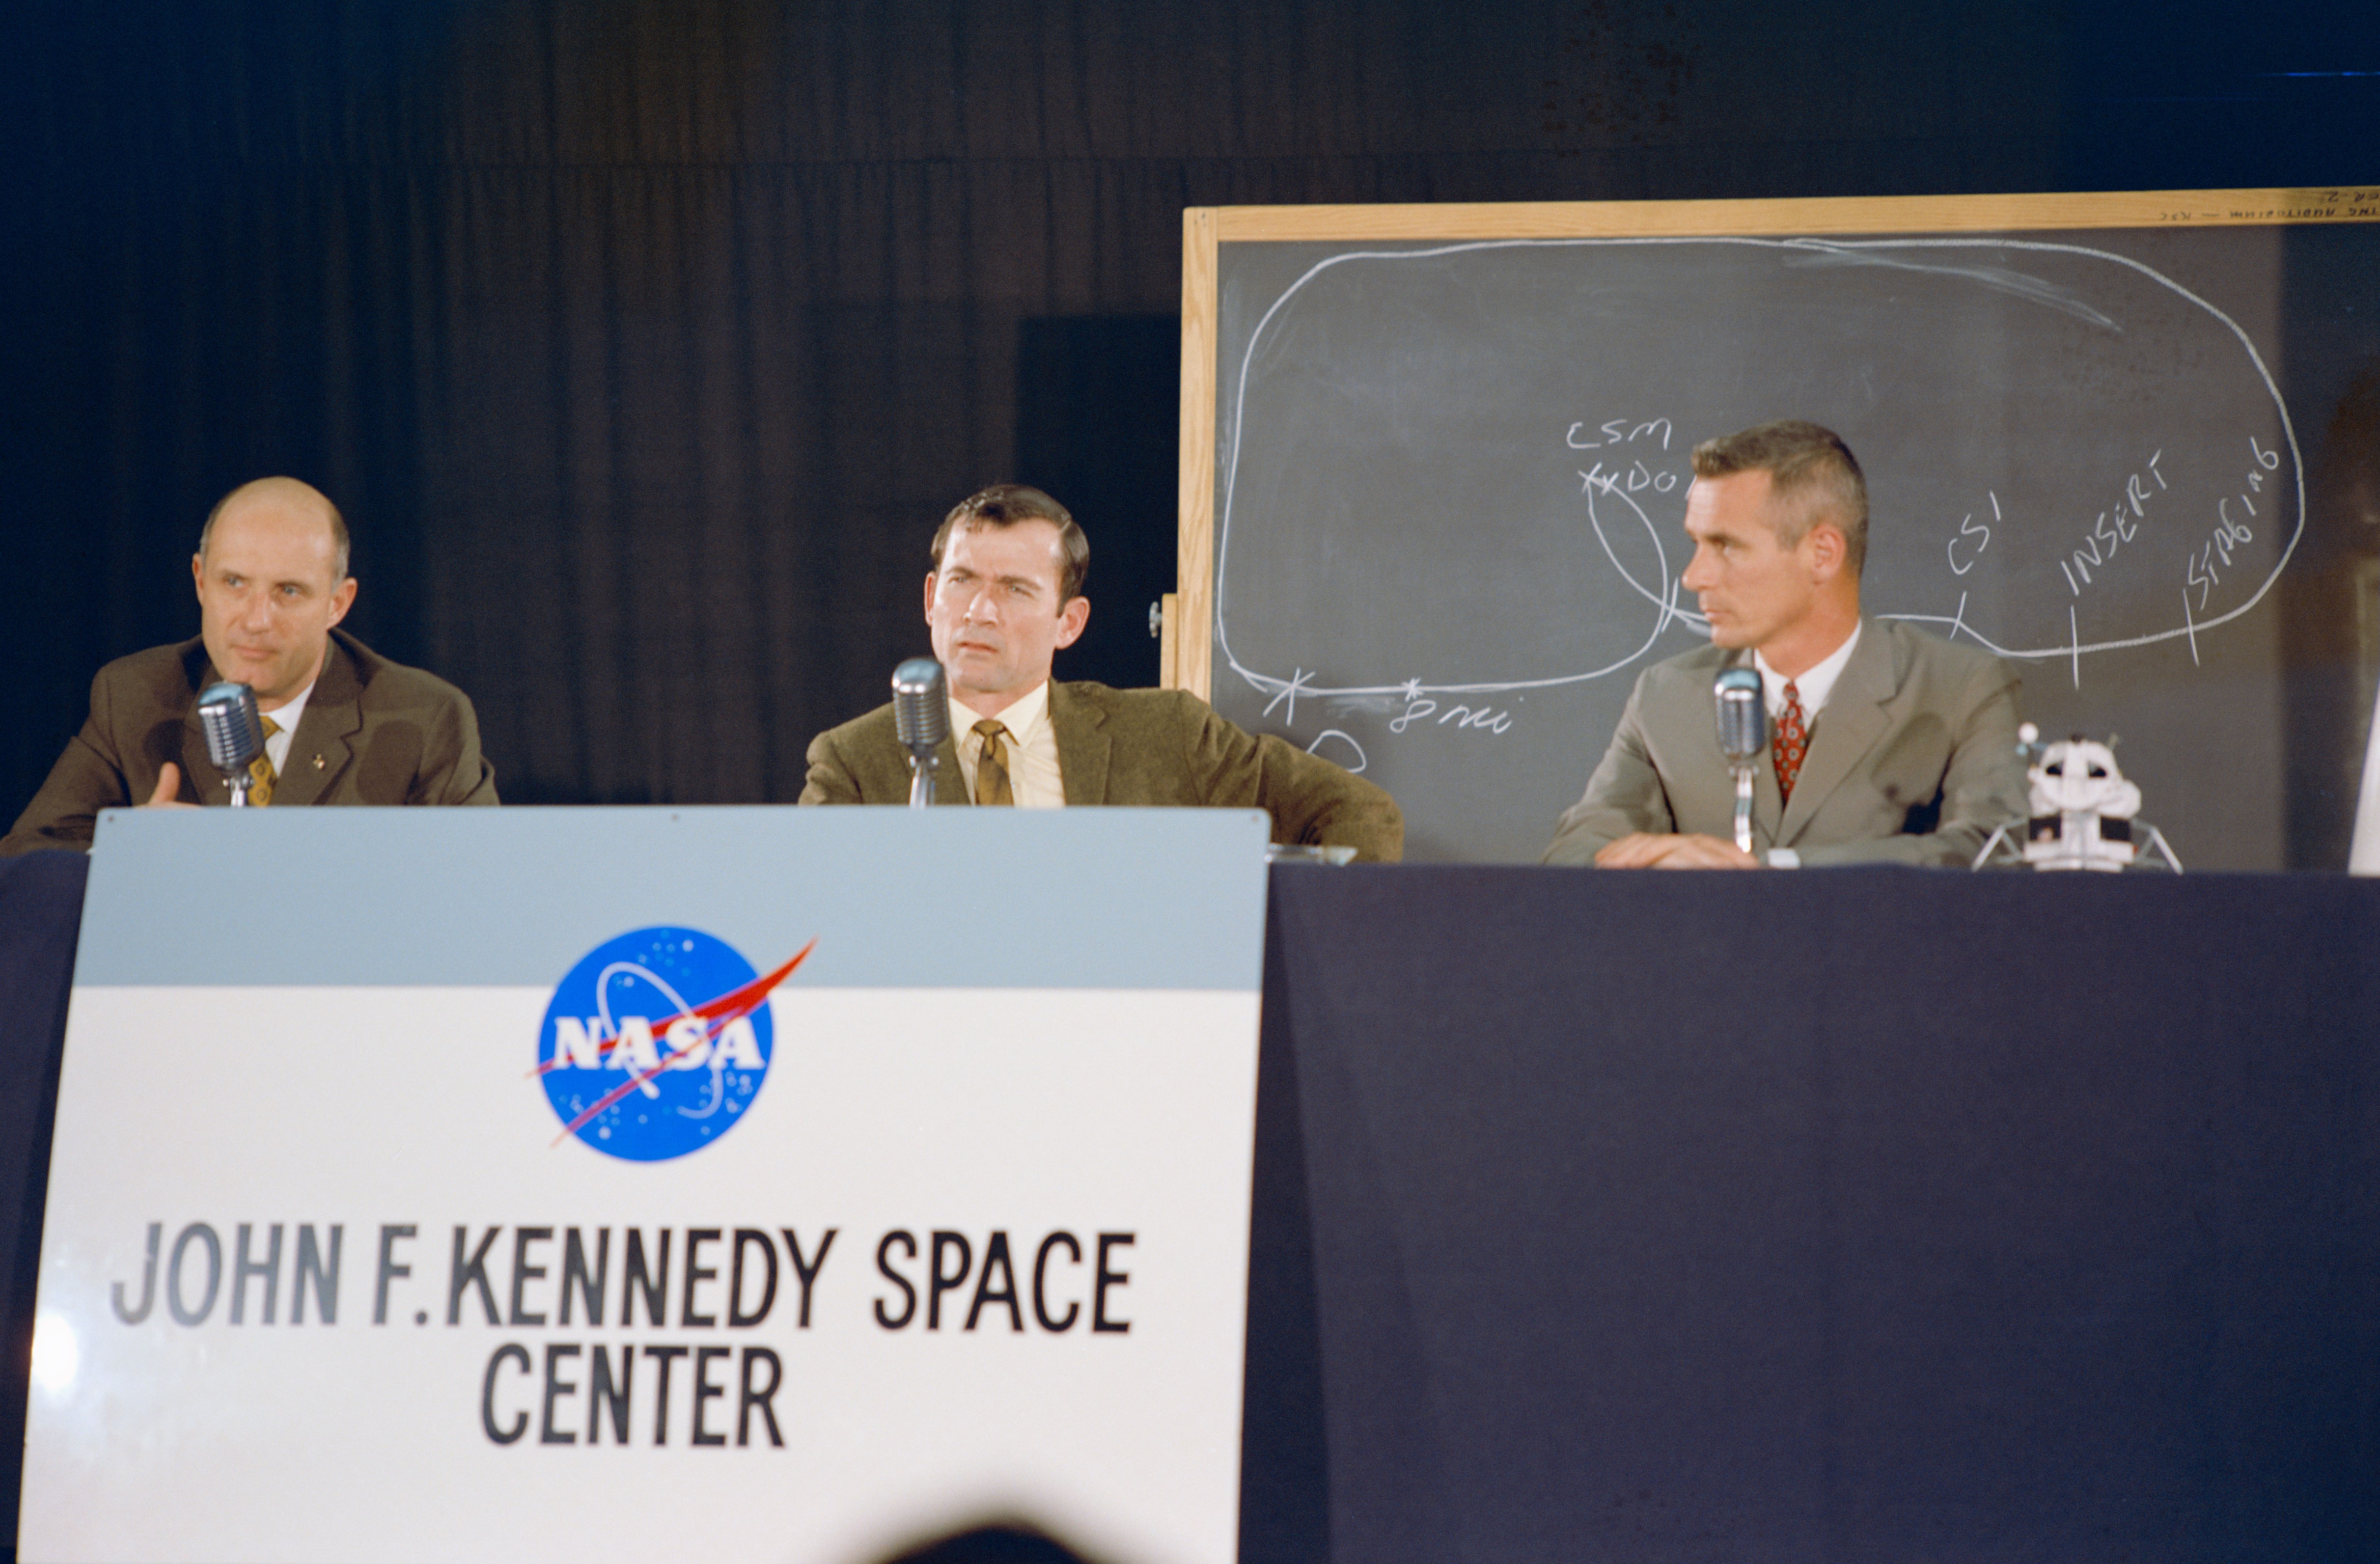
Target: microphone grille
(233,732)
(1743,714)
(922,712)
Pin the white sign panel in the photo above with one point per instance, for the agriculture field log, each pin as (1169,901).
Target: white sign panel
(622,1184)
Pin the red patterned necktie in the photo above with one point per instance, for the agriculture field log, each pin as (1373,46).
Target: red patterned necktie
(1791,743)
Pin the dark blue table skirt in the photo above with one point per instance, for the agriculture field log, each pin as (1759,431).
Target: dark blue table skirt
(40,915)
(1862,1215)
(1873,1215)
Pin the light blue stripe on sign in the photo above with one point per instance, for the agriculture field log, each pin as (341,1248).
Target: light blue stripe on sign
(514,897)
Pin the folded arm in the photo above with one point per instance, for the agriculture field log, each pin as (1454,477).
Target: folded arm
(1312,802)
(1624,800)
(453,771)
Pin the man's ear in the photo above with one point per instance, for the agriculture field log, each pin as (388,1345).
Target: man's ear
(930,595)
(199,573)
(1826,548)
(1070,620)
(343,598)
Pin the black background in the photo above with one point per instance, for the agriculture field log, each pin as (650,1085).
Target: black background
(644,344)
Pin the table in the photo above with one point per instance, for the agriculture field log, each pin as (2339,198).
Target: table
(1848,1215)
(1845,1215)
(41,915)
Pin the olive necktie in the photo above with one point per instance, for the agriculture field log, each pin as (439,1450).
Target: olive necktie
(259,771)
(991,771)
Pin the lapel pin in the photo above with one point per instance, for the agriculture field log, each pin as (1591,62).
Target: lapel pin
(318,762)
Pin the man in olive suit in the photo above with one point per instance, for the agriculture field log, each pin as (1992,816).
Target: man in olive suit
(1005,596)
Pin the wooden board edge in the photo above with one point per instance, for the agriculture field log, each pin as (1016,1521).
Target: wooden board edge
(1825,214)
(1191,664)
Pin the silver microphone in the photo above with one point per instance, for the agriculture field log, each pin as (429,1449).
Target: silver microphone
(1742,716)
(235,733)
(1743,734)
(921,719)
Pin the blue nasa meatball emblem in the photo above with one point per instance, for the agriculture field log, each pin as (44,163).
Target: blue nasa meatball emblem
(657,1043)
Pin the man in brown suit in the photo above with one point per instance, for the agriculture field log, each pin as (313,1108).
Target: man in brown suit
(348,725)
(1005,596)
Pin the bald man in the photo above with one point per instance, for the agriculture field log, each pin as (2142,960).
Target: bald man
(344,724)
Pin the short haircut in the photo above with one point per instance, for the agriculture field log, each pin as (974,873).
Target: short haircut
(1005,505)
(1812,475)
(285,489)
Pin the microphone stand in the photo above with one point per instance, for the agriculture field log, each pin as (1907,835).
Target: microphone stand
(1743,808)
(922,766)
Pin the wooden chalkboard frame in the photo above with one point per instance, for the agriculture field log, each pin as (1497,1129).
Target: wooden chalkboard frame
(1186,651)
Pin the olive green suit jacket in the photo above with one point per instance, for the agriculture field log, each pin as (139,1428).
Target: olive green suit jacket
(1137,747)
(373,732)
(1911,760)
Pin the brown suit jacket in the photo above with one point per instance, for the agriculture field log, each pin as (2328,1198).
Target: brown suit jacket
(374,732)
(1913,759)
(1137,747)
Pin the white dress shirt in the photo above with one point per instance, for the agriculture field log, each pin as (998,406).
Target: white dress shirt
(1030,752)
(276,748)
(1811,687)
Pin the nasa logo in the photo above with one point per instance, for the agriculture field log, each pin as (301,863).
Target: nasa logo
(657,1042)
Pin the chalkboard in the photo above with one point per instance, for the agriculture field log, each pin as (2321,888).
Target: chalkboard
(1434,464)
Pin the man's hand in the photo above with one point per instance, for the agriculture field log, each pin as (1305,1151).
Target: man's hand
(1642,851)
(169,782)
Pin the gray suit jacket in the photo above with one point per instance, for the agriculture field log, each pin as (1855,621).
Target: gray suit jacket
(374,732)
(1913,759)
(1137,747)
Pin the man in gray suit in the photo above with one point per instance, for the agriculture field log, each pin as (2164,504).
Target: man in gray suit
(1885,745)
(1005,596)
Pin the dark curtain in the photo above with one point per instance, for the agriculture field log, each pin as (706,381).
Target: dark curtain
(644,344)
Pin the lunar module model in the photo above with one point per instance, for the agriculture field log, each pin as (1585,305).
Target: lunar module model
(2082,815)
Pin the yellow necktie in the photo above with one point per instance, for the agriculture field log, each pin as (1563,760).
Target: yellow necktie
(260,772)
(991,771)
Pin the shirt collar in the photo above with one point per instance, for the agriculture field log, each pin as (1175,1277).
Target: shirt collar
(1022,720)
(1812,684)
(286,718)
